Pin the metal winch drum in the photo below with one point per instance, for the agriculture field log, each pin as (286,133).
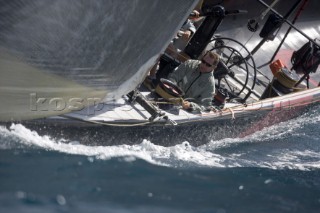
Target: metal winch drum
(169,91)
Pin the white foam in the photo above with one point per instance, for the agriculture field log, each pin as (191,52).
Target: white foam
(6,137)
(292,160)
(32,139)
(178,155)
(185,155)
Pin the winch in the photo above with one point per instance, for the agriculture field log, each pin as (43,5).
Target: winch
(283,82)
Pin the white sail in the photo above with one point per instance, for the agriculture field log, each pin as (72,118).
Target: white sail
(58,56)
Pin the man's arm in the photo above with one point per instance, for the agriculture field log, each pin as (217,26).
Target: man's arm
(177,75)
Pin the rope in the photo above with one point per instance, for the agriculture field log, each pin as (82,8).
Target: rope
(187,114)
(232,113)
(106,123)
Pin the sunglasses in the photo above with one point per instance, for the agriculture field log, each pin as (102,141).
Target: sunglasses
(206,63)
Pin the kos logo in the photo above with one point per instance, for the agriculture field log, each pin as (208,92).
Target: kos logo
(60,104)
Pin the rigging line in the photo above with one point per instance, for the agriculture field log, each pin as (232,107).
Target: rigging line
(163,102)
(119,125)
(106,123)
(287,33)
(289,23)
(186,114)
(248,40)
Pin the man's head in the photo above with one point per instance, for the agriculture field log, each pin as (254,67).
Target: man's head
(209,62)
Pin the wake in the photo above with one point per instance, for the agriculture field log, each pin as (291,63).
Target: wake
(269,148)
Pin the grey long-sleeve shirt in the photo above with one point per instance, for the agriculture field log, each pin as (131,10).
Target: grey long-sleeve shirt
(198,87)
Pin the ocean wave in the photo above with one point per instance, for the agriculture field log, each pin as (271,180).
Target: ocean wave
(276,147)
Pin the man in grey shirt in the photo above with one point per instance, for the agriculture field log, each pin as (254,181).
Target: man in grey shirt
(196,79)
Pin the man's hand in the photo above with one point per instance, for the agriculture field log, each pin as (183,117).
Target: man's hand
(186,105)
(194,15)
(184,35)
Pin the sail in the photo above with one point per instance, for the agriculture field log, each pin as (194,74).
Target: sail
(58,56)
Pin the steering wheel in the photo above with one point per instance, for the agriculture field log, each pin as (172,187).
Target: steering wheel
(240,66)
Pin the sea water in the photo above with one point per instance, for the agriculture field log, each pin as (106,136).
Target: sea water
(274,170)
